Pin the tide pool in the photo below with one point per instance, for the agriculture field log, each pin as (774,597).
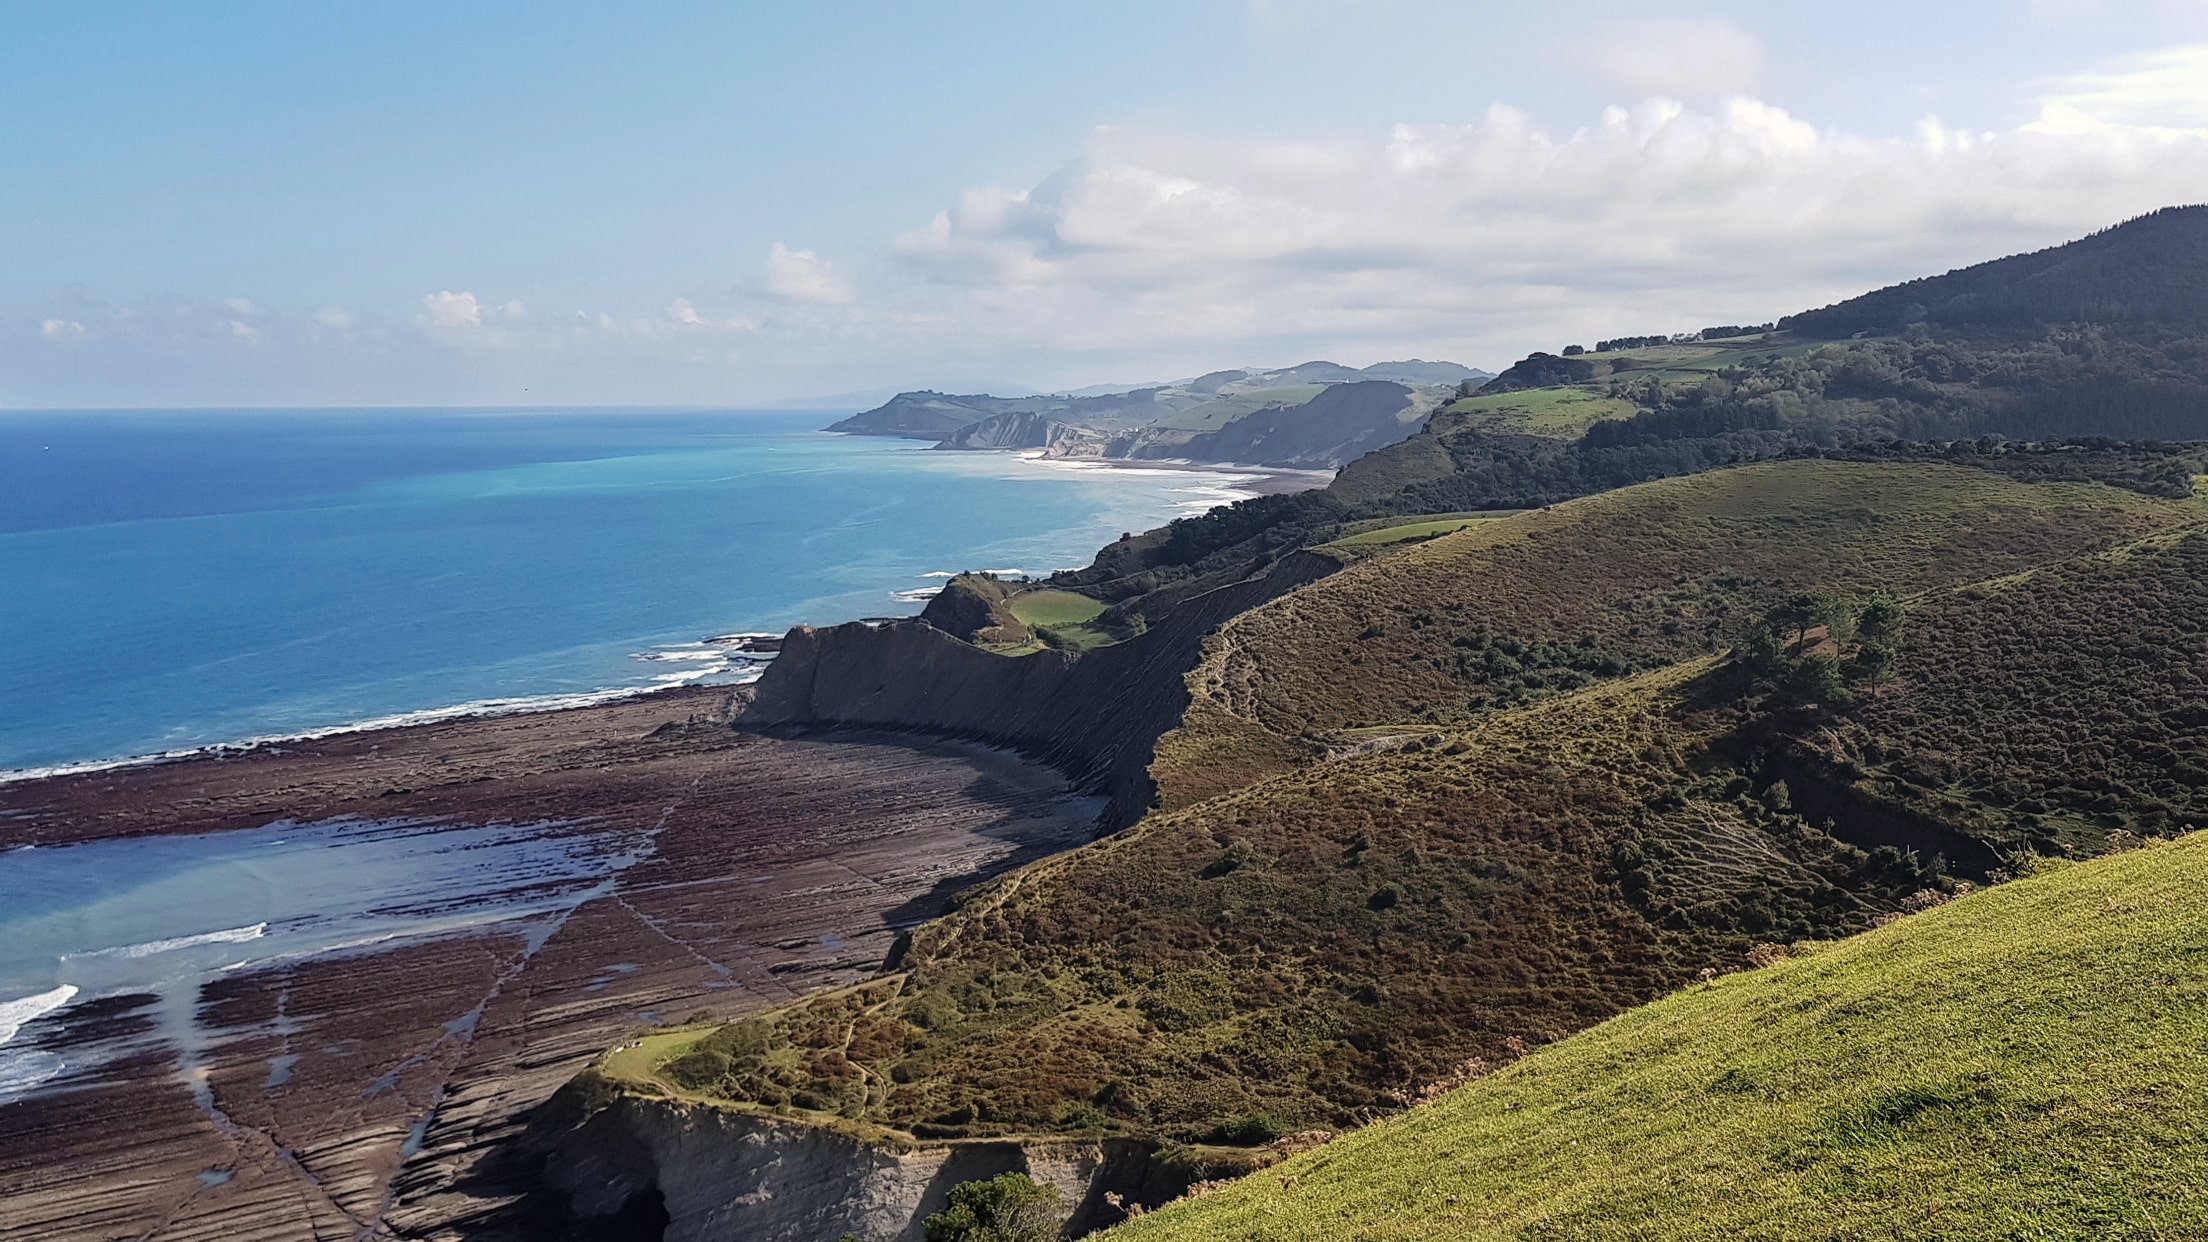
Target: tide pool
(162,916)
(175,579)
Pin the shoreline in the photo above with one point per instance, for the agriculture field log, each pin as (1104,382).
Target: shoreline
(1247,480)
(1234,483)
(389,1089)
(479,709)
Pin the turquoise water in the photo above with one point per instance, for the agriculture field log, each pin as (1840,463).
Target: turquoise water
(174,579)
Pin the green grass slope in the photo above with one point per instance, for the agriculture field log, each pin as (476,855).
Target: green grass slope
(2030,1061)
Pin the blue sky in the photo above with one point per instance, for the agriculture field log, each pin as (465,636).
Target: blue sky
(234,203)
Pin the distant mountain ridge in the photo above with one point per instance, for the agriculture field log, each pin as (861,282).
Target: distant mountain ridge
(1314,415)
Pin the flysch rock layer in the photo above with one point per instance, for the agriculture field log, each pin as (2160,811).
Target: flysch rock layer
(715,1174)
(377,1095)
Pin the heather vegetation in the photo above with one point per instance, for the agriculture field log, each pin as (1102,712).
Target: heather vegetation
(2045,711)
(2087,362)
(1568,775)
(2025,1062)
(1787,637)
(1510,610)
(1324,948)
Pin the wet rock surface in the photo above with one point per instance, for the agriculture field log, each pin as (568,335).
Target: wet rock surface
(380,1092)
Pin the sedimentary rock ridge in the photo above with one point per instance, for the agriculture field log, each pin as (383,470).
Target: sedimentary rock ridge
(1096,714)
(378,1094)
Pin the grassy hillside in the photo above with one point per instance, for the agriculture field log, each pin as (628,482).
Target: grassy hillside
(1314,950)
(2030,1061)
(2047,710)
(1217,413)
(1510,610)
(1338,915)
(1563,412)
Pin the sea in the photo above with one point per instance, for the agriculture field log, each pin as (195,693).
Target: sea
(178,579)
(173,580)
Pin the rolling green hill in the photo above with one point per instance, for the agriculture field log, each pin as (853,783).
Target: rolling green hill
(2030,1061)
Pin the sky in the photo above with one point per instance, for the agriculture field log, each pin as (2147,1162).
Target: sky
(277,204)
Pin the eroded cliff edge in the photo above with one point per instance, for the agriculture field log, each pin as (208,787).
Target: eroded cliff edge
(1097,715)
(655,1168)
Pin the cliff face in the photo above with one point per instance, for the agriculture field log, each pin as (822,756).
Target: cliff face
(1026,430)
(1097,715)
(691,1173)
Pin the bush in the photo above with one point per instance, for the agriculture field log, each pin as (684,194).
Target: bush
(1248,1130)
(1007,1208)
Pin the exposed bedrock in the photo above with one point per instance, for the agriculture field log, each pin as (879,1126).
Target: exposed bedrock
(690,1173)
(1097,715)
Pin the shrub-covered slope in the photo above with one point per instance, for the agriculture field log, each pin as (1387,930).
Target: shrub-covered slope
(2030,1061)
(1326,945)
(1516,608)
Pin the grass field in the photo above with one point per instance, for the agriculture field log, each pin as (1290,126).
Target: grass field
(1067,617)
(1658,572)
(2030,1061)
(1054,608)
(1564,413)
(1381,536)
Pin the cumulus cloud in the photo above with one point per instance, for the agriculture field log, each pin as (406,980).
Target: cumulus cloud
(801,276)
(1687,58)
(1487,237)
(447,309)
(1152,251)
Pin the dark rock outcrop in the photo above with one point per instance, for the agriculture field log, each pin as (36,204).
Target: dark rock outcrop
(972,608)
(1097,714)
(696,1173)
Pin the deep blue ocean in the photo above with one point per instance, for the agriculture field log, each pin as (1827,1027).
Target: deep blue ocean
(176,579)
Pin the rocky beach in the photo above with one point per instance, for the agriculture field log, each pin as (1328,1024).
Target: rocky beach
(384,1089)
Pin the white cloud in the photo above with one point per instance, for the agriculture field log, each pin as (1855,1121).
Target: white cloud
(1482,239)
(2159,93)
(244,331)
(1152,252)
(452,310)
(241,306)
(1690,58)
(801,276)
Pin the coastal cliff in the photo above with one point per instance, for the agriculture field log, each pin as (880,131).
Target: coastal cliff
(1096,714)
(644,1167)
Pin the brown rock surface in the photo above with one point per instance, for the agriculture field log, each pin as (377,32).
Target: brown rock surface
(375,1094)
